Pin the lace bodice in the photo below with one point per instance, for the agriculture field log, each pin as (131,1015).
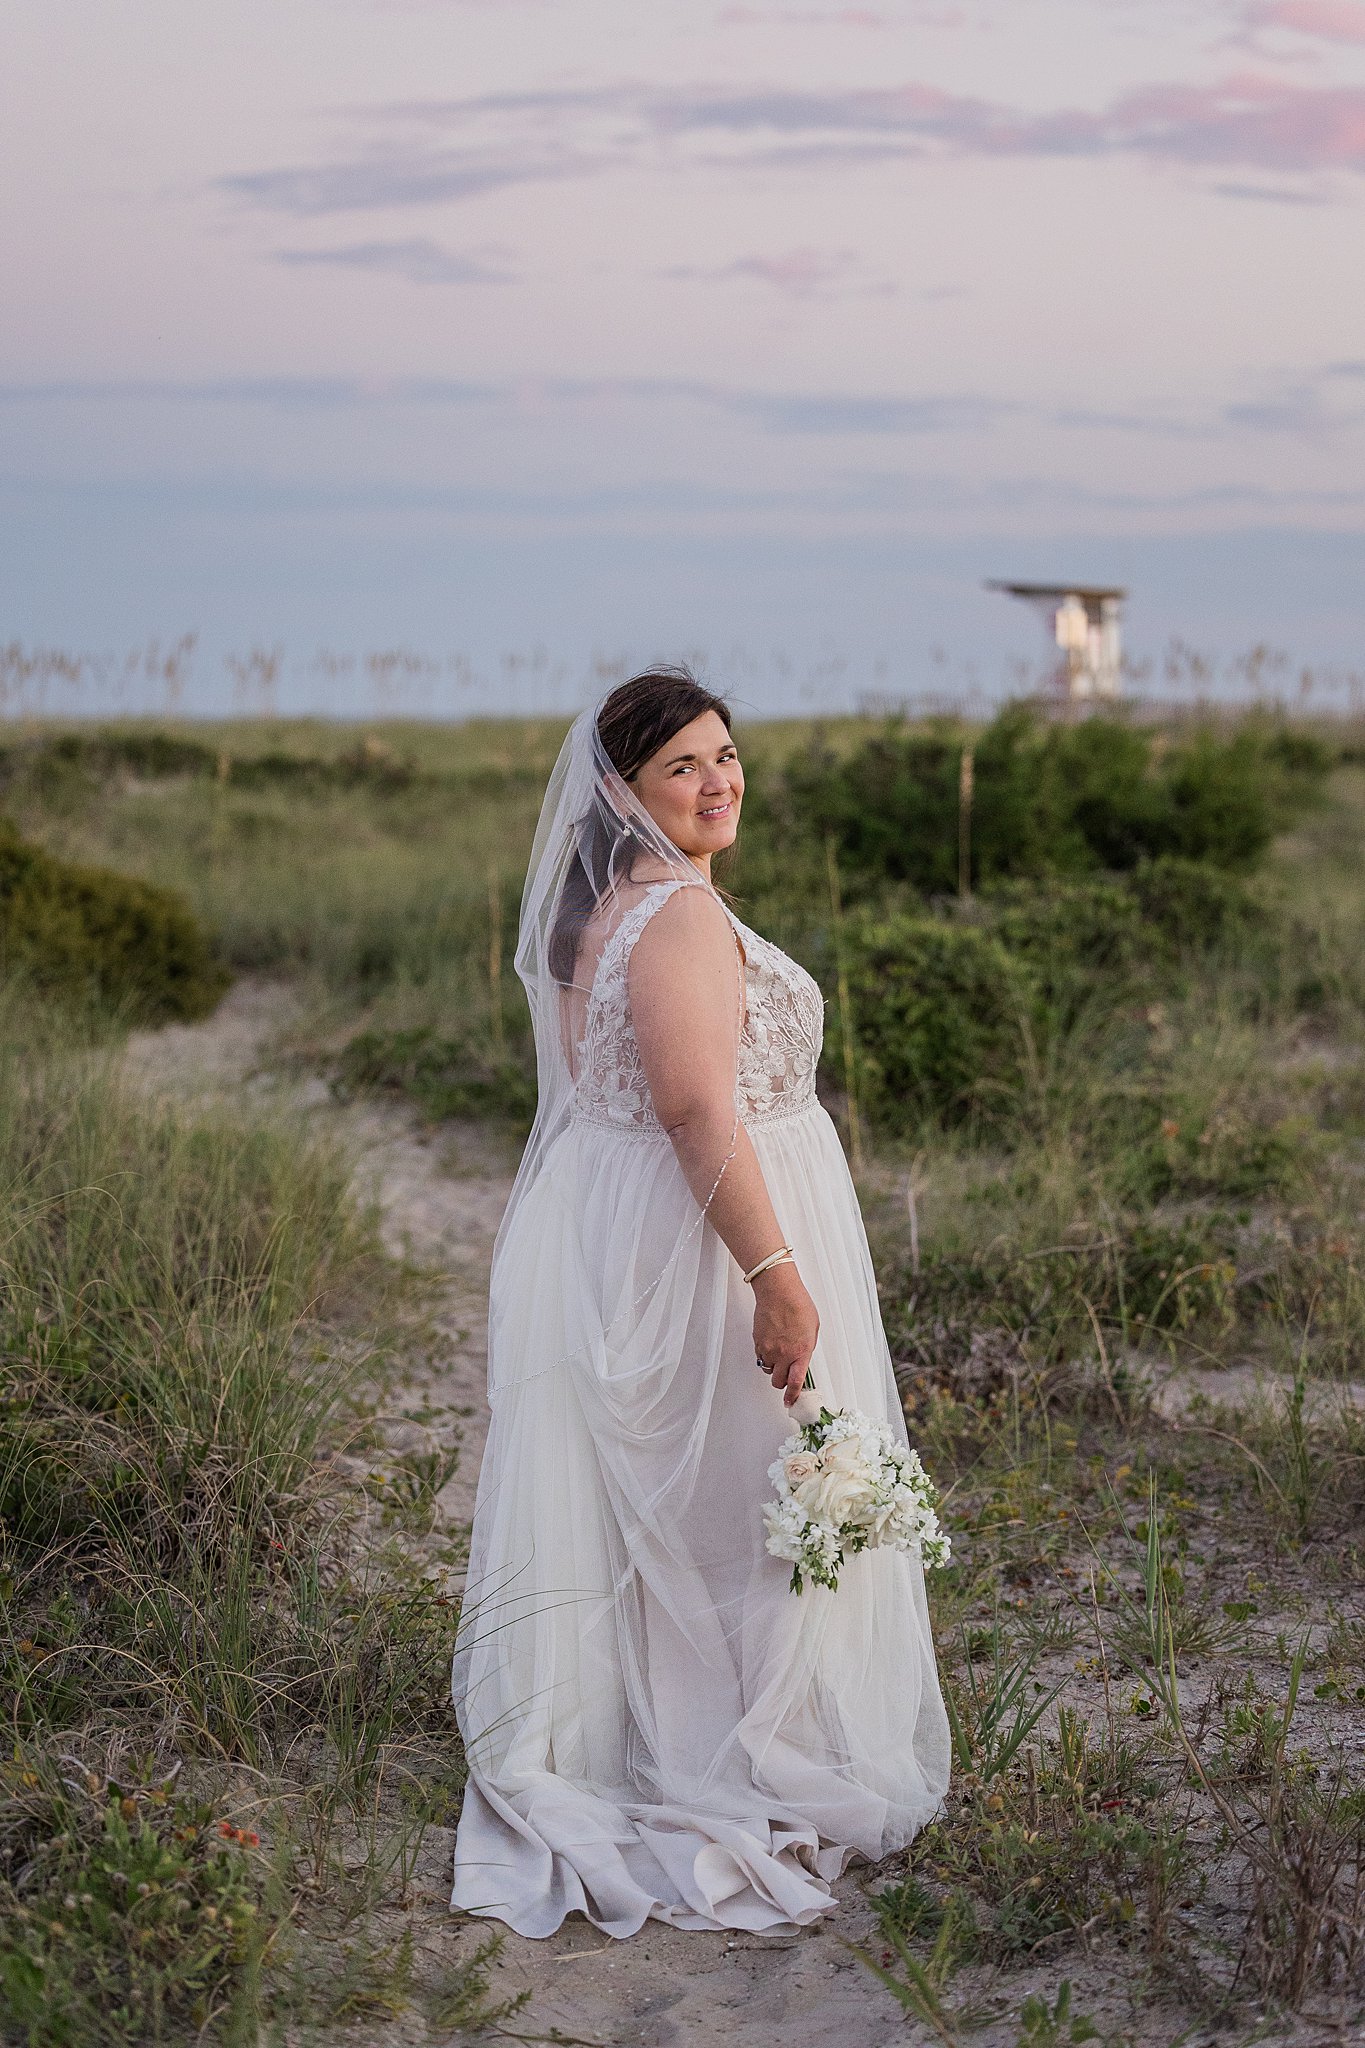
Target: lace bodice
(779,1046)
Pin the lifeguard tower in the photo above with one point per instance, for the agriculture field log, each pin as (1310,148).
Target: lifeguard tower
(1084,618)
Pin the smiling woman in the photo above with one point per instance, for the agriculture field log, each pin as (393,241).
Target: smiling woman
(656,1727)
(688,779)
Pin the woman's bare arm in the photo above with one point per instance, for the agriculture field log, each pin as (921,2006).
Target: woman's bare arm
(685,997)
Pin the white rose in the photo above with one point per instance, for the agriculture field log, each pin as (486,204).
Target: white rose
(837,1491)
(881,1524)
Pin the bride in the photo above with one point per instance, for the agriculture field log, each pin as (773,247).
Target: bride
(656,1726)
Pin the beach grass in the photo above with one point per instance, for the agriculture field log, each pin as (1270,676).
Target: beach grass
(1124,1296)
(228,1718)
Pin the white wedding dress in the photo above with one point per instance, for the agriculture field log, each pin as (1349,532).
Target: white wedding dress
(656,1726)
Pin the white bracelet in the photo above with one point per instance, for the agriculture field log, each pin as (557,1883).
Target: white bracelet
(777,1258)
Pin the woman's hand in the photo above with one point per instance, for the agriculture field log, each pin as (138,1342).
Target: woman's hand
(786,1325)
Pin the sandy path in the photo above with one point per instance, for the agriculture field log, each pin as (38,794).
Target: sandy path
(440,1199)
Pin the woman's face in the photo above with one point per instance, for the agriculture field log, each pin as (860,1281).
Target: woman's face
(693,788)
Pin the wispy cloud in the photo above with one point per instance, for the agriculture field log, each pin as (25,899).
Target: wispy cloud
(876,494)
(405,175)
(1271,195)
(1248,122)
(418,261)
(741,16)
(1317,405)
(796,274)
(841,413)
(801,17)
(1262,122)
(835,413)
(289,393)
(1332,21)
(452,6)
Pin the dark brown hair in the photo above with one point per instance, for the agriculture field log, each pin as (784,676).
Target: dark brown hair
(638,718)
(642,715)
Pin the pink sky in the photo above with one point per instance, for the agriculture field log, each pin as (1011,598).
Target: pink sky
(504,271)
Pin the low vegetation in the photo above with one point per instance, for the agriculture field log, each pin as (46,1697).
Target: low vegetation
(1099,1047)
(1047,798)
(88,937)
(228,1722)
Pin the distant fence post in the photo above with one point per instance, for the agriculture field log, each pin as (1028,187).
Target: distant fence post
(965,783)
(495,964)
(855,1125)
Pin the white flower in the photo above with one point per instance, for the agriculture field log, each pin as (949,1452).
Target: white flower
(836,1488)
(844,1483)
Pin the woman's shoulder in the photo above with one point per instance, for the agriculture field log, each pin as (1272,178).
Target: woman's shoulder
(684,914)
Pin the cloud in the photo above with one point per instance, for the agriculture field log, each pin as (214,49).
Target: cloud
(843,413)
(801,17)
(418,261)
(432,6)
(798,274)
(1153,422)
(873,494)
(1263,123)
(1248,122)
(838,413)
(1332,21)
(1260,122)
(838,17)
(290,393)
(1311,407)
(1316,405)
(402,176)
(1271,195)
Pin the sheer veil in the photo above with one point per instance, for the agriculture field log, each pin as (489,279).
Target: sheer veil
(597,858)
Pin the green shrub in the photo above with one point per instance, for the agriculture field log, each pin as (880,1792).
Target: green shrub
(95,757)
(83,933)
(940,1016)
(125,1914)
(1194,907)
(1129,936)
(978,1323)
(1076,924)
(446,1077)
(1061,799)
(943,1008)
(1220,800)
(368,763)
(1075,938)
(63,766)
(891,806)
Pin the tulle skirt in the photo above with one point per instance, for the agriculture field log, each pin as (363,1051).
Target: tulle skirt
(656,1726)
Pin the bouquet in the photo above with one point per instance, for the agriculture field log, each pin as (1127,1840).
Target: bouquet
(844,1484)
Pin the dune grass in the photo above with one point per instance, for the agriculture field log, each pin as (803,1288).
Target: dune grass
(1154,1637)
(227,1724)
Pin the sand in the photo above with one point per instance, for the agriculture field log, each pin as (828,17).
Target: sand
(440,1196)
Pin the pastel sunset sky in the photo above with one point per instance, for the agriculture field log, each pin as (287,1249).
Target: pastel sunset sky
(536,330)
